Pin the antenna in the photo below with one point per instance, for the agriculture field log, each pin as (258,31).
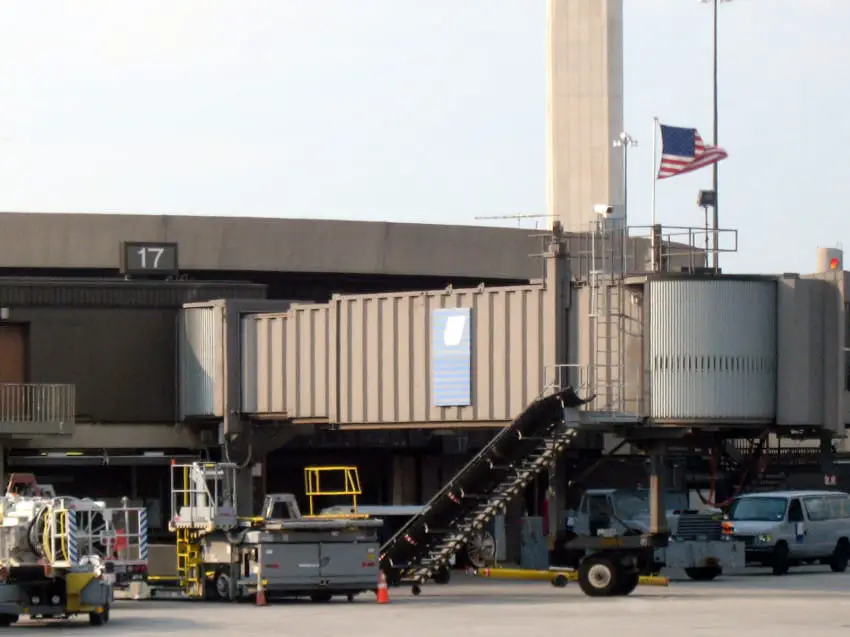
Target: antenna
(518,217)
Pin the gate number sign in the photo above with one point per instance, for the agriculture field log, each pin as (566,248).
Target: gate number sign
(148,258)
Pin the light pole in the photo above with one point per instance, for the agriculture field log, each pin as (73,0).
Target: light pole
(715,238)
(625,141)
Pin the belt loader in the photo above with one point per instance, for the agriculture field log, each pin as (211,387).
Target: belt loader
(58,554)
(280,552)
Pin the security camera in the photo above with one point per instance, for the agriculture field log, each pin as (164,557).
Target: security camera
(603,209)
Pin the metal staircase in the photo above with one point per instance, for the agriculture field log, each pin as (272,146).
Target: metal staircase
(423,547)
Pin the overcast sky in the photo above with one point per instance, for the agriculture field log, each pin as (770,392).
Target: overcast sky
(411,110)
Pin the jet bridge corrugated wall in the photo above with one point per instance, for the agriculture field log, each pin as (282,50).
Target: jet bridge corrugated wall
(476,356)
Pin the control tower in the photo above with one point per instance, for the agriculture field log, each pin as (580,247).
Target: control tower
(584,105)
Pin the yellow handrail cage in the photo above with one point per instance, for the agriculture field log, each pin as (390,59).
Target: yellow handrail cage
(313,485)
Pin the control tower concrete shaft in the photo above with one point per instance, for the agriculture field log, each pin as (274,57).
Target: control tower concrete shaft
(584,104)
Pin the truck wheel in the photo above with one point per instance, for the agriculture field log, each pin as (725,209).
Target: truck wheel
(703,573)
(101,618)
(597,577)
(628,583)
(223,589)
(7,620)
(840,556)
(779,561)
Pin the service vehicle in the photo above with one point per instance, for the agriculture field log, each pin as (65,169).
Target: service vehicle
(58,554)
(781,529)
(697,543)
(280,552)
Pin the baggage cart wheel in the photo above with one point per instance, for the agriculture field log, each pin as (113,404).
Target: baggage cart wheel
(101,618)
(481,549)
(416,589)
(598,577)
(442,576)
(560,581)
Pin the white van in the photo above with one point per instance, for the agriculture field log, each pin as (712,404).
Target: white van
(789,528)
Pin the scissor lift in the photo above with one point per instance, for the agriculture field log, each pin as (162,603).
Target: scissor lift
(223,556)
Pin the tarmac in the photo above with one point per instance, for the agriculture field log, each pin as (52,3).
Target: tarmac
(810,601)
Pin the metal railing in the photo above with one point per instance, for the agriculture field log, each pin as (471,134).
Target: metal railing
(585,380)
(37,408)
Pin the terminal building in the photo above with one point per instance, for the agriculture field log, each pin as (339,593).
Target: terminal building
(129,341)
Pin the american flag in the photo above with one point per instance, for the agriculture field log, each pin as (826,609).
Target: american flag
(682,150)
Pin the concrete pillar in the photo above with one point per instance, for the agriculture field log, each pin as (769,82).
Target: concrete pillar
(404,480)
(584,109)
(430,477)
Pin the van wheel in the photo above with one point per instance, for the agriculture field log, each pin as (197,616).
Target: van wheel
(7,619)
(780,561)
(703,573)
(840,556)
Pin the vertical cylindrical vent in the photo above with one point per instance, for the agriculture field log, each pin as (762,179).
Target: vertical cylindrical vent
(830,259)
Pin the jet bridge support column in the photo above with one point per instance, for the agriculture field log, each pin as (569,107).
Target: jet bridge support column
(657,514)
(557,499)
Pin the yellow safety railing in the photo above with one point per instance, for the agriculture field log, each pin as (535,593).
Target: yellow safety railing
(350,486)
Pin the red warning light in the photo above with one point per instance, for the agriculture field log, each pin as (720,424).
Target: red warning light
(833,263)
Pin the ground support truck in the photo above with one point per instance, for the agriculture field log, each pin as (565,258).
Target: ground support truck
(280,553)
(58,554)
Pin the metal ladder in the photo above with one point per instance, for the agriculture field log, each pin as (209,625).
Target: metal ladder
(521,473)
(607,320)
(189,565)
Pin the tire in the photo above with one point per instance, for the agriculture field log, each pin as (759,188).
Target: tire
(222,586)
(597,577)
(481,550)
(780,562)
(628,583)
(7,620)
(703,573)
(321,597)
(443,576)
(840,556)
(99,619)
(560,581)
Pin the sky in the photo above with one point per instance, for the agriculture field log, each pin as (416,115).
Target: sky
(407,110)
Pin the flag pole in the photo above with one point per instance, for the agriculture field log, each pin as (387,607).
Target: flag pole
(653,246)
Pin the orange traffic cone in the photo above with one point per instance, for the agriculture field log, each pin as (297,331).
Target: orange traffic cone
(261,599)
(383,591)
